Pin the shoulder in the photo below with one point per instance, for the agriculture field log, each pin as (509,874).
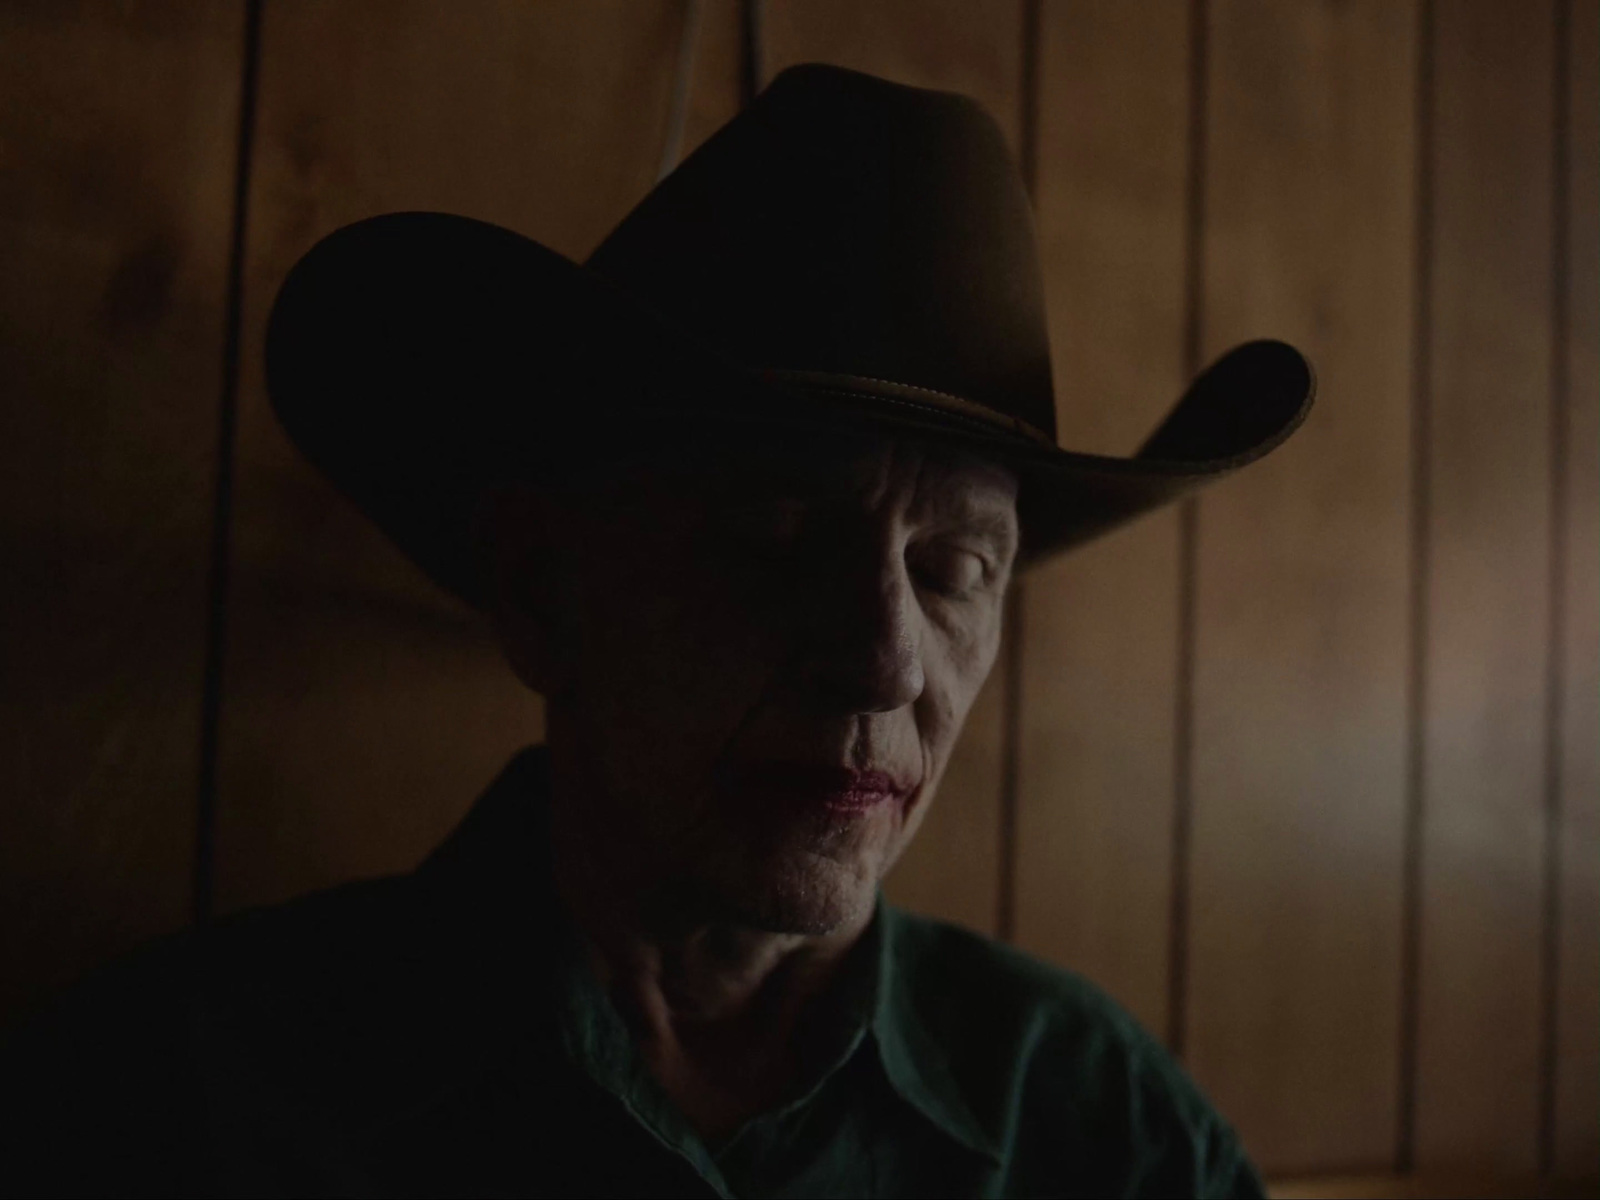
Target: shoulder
(1006,982)
(977,991)
(271,960)
(1060,1072)
(156,1066)
(257,957)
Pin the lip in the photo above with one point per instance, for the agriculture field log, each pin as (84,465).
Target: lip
(844,791)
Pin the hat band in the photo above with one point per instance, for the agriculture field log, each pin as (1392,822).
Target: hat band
(850,386)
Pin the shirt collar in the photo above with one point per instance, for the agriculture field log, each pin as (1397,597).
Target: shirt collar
(597,1042)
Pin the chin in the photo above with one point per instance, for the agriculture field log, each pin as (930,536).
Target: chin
(811,898)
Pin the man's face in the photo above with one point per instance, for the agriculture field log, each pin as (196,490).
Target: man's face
(756,665)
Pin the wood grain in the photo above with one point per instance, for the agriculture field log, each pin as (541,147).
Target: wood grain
(1301,592)
(952,868)
(117,132)
(1488,580)
(1096,788)
(364,711)
(1577,1109)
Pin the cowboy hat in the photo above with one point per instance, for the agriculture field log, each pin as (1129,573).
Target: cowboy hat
(846,252)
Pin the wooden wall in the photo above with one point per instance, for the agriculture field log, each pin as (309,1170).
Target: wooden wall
(1305,773)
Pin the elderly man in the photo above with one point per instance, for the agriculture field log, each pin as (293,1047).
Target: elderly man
(742,497)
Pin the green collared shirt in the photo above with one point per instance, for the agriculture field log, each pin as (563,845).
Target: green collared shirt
(964,1068)
(438,1034)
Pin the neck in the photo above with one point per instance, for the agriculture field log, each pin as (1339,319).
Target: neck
(723,1014)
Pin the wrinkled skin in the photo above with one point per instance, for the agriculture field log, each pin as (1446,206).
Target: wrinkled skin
(686,625)
(704,633)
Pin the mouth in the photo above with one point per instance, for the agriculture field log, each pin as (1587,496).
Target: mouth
(845,792)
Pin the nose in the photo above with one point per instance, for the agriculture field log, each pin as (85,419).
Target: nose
(864,649)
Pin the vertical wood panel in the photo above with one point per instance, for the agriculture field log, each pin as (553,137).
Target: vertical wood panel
(1577,1110)
(951,869)
(363,711)
(1096,791)
(1478,1035)
(714,94)
(1299,700)
(117,132)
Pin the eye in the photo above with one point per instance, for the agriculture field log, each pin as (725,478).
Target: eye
(948,569)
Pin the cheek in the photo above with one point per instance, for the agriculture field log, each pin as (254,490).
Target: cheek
(957,659)
(956,663)
(666,674)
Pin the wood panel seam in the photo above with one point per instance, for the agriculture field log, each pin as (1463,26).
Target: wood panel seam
(1011,708)
(1417,672)
(204,877)
(1188,547)
(752,49)
(1555,658)
(682,82)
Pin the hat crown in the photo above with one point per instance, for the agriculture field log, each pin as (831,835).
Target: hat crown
(846,226)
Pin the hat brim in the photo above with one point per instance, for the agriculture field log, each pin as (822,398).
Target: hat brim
(419,358)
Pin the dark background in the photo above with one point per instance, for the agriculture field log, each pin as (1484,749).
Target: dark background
(1305,774)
